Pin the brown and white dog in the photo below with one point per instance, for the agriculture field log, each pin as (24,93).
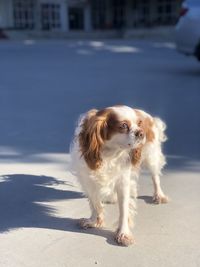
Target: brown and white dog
(108,149)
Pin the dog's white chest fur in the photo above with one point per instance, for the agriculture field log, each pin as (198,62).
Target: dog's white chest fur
(114,166)
(112,170)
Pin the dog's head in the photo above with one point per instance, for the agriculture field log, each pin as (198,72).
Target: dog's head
(114,128)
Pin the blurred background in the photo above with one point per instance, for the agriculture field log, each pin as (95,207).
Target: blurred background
(66,17)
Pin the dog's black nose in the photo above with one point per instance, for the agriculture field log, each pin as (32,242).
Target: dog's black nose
(139,133)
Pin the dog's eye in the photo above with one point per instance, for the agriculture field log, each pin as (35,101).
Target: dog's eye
(124,126)
(139,123)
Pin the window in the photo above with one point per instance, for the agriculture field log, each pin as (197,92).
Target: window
(50,16)
(76,18)
(157,12)
(119,13)
(141,13)
(24,14)
(166,12)
(99,14)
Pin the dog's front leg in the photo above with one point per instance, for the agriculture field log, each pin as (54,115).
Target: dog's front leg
(97,218)
(123,235)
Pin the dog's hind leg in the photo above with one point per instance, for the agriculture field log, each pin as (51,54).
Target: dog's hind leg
(155,161)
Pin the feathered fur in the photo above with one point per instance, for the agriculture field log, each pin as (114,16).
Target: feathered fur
(108,150)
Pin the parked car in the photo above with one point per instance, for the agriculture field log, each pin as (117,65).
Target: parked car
(187,32)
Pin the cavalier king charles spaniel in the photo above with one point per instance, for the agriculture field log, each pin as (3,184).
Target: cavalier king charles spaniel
(108,150)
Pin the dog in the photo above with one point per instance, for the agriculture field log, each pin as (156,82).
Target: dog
(107,152)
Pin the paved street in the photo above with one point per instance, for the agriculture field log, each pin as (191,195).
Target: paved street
(44,86)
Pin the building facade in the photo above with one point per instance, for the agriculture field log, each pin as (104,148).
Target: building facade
(86,15)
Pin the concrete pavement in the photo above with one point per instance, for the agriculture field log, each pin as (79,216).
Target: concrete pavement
(44,87)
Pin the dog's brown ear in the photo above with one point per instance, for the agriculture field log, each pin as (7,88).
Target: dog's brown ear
(135,156)
(91,138)
(146,124)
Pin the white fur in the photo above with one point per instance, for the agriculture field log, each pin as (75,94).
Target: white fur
(117,175)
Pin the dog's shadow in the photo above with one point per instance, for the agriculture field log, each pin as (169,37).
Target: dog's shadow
(73,225)
(21,205)
(147,199)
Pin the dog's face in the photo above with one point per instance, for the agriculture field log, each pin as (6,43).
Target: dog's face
(124,129)
(118,127)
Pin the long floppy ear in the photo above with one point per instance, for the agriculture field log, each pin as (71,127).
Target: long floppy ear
(91,138)
(145,122)
(135,156)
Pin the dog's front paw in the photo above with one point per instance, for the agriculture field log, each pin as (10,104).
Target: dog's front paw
(160,199)
(124,239)
(88,223)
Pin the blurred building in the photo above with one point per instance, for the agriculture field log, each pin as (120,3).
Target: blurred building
(86,15)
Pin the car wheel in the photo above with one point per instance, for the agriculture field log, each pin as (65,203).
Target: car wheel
(197,52)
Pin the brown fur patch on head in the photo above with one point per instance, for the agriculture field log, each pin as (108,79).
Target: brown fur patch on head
(146,124)
(115,125)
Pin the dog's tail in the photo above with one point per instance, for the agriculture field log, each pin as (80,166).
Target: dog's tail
(161,126)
